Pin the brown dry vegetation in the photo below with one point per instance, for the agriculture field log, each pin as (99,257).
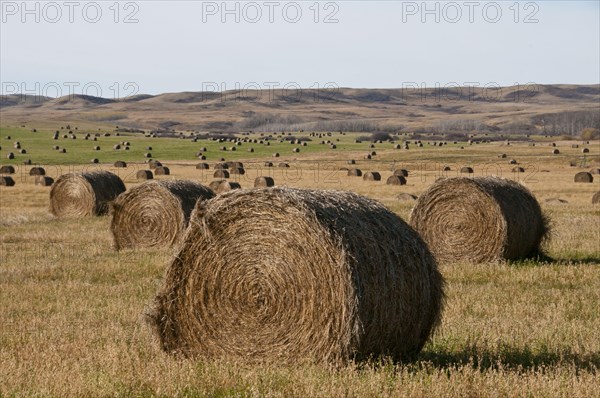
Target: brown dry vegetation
(71,308)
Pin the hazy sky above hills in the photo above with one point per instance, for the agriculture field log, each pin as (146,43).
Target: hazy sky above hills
(192,45)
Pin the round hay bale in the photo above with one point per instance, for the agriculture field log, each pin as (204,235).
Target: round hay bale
(202,166)
(10,155)
(284,165)
(37,171)
(147,155)
(466,170)
(368,157)
(264,182)
(396,180)
(144,175)
(344,278)
(154,213)
(7,181)
(585,150)
(250,149)
(401,172)
(446,168)
(44,180)
(372,176)
(7,169)
(96,148)
(595,171)
(22,151)
(518,170)
(148,148)
(162,171)
(596,198)
(238,171)
(84,194)
(221,166)
(276,155)
(222,186)
(479,219)
(355,173)
(296,150)
(268,164)
(117,146)
(154,164)
(584,176)
(512,161)
(502,156)
(406,197)
(351,161)
(95,160)
(235,165)
(555,152)
(120,164)
(56,147)
(221,173)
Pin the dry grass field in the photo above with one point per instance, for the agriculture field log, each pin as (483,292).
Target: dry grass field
(71,307)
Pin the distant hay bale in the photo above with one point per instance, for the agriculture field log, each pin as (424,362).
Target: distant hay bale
(154,164)
(120,164)
(95,160)
(147,155)
(406,197)
(10,155)
(22,151)
(221,166)
(202,166)
(37,171)
(162,171)
(584,176)
(596,198)
(368,157)
(585,150)
(512,161)
(518,170)
(84,194)
(284,164)
(154,213)
(235,165)
(595,171)
(479,219)
(221,186)
(268,164)
(7,181)
(343,278)
(401,172)
(264,182)
(372,176)
(144,175)
(396,180)
(7,169)
(446,168)
(276,155)
(44,180)
(117,146)
(96,148)
(502,156)
(555,152)
(296,150)
(466,170)
(355,173)
(351,161)
(148,148)
(221,173)
(238,171)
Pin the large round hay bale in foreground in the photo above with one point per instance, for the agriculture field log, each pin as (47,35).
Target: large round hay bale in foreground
(154,213)
(596,198)
(144,175)
(44,181)
(264,182)
(396,180)
(479,219)
(84,194)
(584,176)
(37,171)
(342,278)
(372,176)
(7,169)
(7,181)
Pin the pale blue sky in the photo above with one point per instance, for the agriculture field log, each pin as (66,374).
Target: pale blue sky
(377,44)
